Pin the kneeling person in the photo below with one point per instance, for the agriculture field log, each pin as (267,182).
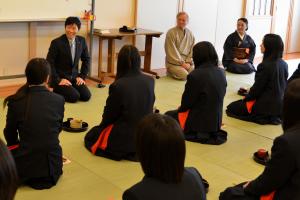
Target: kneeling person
(64,55)
(131,97)
(200,112)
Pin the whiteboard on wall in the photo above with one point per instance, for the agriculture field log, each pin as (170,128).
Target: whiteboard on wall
(156,15)
(11,10)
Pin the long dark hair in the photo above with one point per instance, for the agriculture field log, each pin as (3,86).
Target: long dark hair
(8,174)
(291,105)
(161,148)
(273,47)
(37,72)
(129,60)
(205,52)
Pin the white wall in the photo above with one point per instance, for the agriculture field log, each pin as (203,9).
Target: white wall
(159,18)
(282,15)
(295,29)
(33,9)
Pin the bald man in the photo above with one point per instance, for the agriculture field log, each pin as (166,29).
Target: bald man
(178,47)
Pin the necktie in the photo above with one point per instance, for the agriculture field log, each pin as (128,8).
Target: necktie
(73,50)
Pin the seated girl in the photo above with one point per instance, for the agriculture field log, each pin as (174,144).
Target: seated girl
(281,177)
(239,50)
(161,152)
(34,121)
(9,181)
(200,112)
(131,97)
(263,103)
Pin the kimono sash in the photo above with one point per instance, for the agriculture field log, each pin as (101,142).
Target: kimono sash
(249,105)
(268,197)
(182,117)
(102,141)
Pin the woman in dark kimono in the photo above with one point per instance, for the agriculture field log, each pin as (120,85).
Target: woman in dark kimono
(34,121)
(131,97)
(200,112)
(263,103)
(239,50)
(281,177)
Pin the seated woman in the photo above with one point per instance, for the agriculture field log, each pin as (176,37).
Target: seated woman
(34,121)
(281,177)
(161,151)
(8,174)
(239,50)
(131,97)
(200,112)
(263,103)
(295,75)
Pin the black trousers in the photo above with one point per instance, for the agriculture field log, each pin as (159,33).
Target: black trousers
(236,68)
(73,93)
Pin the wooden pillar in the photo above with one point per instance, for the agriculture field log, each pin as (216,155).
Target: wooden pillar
(32,39)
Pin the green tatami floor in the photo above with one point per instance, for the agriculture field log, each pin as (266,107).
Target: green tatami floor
(95,178)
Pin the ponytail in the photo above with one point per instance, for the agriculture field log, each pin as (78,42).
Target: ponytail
(21,93)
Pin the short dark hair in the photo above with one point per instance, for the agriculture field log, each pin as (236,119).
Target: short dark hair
(73,20)
(129,60)
(8,174)
(161,148)
(245,20)
(291,105)
(205,52)
(273,47)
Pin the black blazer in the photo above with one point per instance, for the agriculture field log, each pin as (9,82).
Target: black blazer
(269,87)
(60,58)
(130,99)
(282,173)
(204,95)
(150,189)
(34,122)
(295,75)
(234,40)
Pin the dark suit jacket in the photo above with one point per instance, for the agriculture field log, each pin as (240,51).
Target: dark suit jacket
(296,74)
(153,189)
(268,88)
(282,173)
(234,40)
(130,99)
(203,96)
(34,122)
(60,58)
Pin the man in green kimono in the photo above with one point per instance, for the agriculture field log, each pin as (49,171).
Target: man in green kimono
(178,47)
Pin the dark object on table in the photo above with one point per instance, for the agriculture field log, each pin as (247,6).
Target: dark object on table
(261,156)
(67,127)
(126,29)
(243,91)
(100,85)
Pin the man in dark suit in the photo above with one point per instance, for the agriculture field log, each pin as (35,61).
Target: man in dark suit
(64,55)
(296,74)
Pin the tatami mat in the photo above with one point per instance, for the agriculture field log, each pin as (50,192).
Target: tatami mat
(95,178)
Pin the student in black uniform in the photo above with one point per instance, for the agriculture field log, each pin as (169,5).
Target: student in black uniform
(34,121)
(201,109)
(295,75)
(131,97)
(233,61)
(281,177)
(64,55)
(263,104)
(8,174)
(161,151)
